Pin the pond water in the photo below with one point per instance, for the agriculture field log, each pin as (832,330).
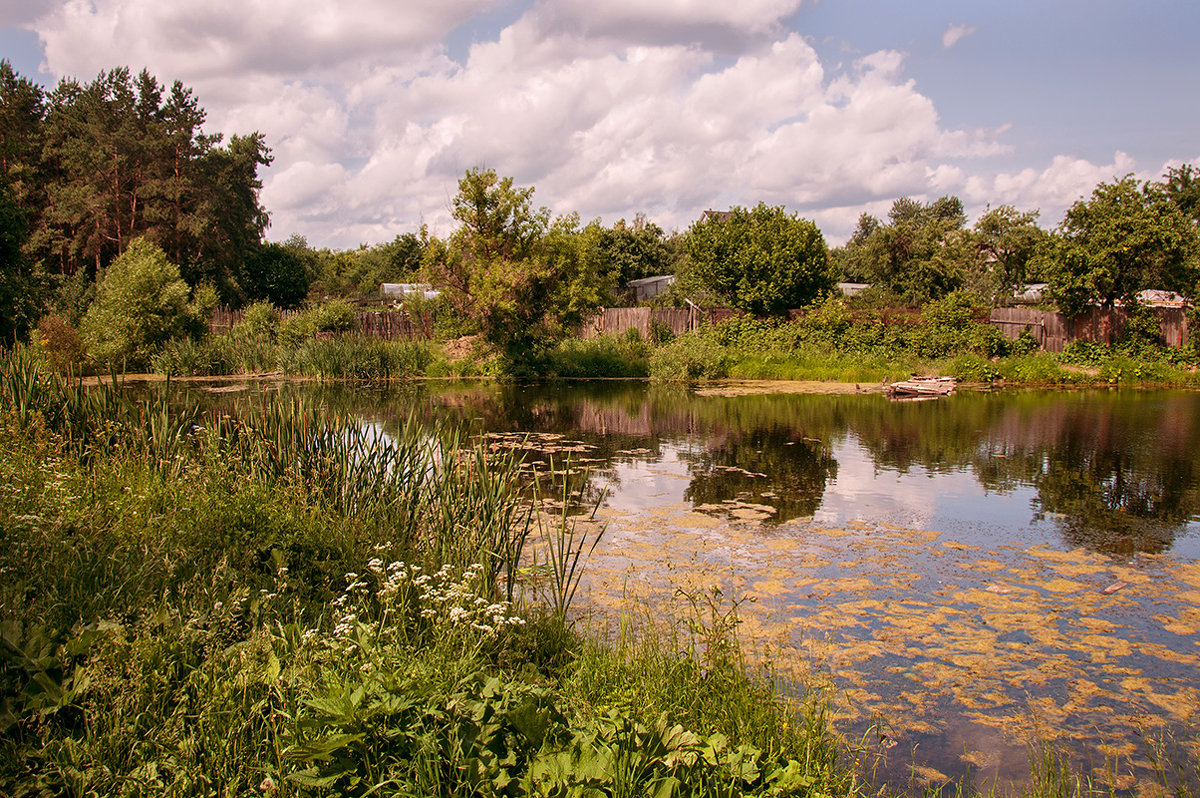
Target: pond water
(966,574)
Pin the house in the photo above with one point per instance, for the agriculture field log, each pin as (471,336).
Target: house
(1161,299)
(852,289)
(650,287)
(401,290)
(1031,293)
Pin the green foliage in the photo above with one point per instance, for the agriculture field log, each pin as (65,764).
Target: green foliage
(632,251)
(141,304)
(494,269)
(259,319)
(956,323)
(971,368)
(1008,242)
(334,316)
(603,356)
(1038,368)
(123,157)
(21,286)
(922,253)
(356,358)
(278,601)
(274,273)
(1086,353)
(763,260)
(1122,240)
(690,357)
(359,272)
(1142,334)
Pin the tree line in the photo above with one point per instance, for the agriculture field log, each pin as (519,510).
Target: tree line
(89,168)
(1126,237)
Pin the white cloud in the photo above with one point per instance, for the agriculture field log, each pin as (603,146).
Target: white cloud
(956,33)
(608,107)
(235,38)
(1051,190)
(716,23)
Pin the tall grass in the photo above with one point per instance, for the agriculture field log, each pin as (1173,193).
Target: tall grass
(284,601)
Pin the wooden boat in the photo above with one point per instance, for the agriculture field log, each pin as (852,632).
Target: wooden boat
(921,388)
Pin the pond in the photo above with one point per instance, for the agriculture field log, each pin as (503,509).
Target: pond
(965,574)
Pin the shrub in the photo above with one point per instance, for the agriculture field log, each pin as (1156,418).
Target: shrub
(335,316)
(971,367)
(259,319)
(694,356)
(828,322)
(1039,368)
(660,333)
(141,304)
(1086,353)
(61,344)
(604,356)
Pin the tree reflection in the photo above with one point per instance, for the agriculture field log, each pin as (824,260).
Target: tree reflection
(1117,472)
(764,466)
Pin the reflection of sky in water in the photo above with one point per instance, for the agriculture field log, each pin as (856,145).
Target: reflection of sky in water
(639,484)
(949,501)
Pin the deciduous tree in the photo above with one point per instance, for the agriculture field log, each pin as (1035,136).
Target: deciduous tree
(1007,240)
(1124,239)
(141,303)
(762,260)
(494,268)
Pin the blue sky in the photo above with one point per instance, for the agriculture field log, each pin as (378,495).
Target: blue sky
(610,108)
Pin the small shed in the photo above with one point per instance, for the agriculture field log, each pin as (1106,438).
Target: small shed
(852,289)
(1031,293)
(401,290)
(650,287)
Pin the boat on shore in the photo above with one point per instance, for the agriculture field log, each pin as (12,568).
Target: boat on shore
(921,388)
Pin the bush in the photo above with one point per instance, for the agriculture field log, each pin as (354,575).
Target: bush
(1085,353)
(604,356)
(1039,368)
(259,319)
(828,322)
(141,304)
(336,316)
(695,356)
(61,344)
(973,368)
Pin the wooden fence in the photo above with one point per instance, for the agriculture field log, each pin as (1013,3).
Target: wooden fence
(389,325)
(614,321)
(1053,331)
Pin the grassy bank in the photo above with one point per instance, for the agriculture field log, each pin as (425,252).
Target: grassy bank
(279,603)
(830,342)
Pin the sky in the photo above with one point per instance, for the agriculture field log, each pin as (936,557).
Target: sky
(374,109)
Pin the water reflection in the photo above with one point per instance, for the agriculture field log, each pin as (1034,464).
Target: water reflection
(1115,472)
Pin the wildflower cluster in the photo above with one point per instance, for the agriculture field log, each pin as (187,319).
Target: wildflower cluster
(393,603)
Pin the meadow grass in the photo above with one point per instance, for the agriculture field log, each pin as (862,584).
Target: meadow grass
(281,602)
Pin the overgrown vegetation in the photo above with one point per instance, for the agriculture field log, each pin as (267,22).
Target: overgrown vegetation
(282,601)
